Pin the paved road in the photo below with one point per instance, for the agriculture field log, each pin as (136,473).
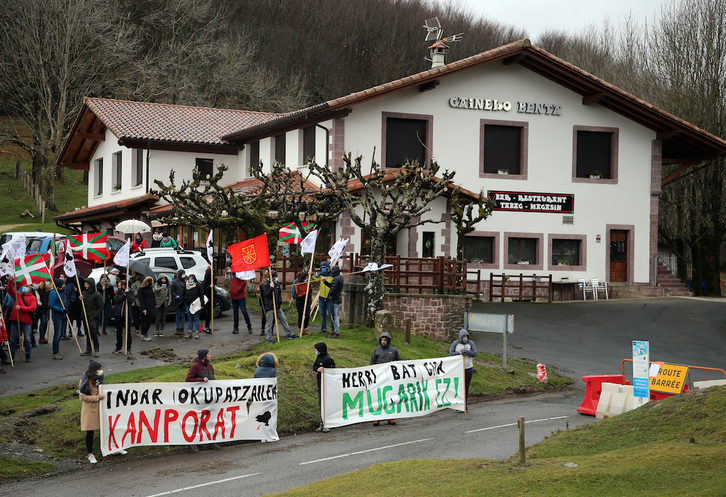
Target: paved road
(488,431)
(576,338)
(584,338)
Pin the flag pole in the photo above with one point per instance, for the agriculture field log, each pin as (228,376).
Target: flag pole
(85,315)
(126,307)
(103,310)
(274,305)
(307,294)
(70,325)
(7,342)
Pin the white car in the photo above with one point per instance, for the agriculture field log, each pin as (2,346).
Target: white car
(191,261)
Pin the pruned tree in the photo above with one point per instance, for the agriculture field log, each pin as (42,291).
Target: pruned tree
(55,52)
(390,201)
(281,197)
(466,215)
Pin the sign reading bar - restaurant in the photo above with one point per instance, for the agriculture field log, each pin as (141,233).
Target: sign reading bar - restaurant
(561,203)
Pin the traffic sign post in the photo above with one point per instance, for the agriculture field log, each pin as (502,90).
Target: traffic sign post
(491,323)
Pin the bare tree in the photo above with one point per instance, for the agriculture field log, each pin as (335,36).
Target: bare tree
(281,197)
(466,215)
(55,52)
(391,200)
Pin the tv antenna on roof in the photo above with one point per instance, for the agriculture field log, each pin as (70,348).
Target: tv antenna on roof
(438,48)
(435,33)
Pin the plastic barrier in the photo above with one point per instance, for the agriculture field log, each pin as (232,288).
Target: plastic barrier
(593,390)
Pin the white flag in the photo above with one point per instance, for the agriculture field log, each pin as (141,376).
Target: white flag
(308,245)
(69,265)
(336,250)
(16,247)
(210,247)
(122,256)
(7,264)
(373,266)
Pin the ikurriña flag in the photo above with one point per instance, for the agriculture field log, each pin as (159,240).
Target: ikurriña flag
(32,269)
(91,245)
(250,254)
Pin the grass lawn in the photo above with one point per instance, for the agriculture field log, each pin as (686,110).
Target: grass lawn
(50,418)
(673,447)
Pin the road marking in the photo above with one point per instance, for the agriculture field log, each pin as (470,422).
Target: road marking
(515,424)
(363,452)
(203,485)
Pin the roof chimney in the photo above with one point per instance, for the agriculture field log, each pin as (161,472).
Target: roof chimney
(438,52)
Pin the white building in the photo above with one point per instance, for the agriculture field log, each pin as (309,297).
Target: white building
(528,128)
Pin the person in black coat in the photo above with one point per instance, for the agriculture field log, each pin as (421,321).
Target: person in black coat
(207,310)
(335,298)
(122,300)
(192,292)
(270,290)
(322,361)
(147,306)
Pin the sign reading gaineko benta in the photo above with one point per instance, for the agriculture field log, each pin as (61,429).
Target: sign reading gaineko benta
(500,105)
(561,203)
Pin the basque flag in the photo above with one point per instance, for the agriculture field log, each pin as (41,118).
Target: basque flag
(250,255)
(91,245)
(32,269)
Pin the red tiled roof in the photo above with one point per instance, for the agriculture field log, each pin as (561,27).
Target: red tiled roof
(172,123)
(681,140)
(112,208)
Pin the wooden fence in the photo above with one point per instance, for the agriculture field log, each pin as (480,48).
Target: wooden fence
(520,287)
(33,190)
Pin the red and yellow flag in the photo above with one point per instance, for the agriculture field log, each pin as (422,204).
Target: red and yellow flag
(250,255)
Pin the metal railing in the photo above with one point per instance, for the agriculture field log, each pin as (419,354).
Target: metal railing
(670,259)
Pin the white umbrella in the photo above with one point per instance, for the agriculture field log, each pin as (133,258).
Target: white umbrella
(133,226)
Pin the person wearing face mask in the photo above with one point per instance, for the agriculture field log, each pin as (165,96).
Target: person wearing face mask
(156,239)
(192,292)
(139,243)
(270,290)
(322,361)
(90,397)
(24,305)
(323,303)
(382,354)
(465,347)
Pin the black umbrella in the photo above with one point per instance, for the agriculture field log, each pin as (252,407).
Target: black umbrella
(141,268)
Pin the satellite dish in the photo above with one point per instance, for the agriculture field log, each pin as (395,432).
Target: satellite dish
(433,29)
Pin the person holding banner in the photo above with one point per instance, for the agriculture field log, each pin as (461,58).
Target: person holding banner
(382,354)
(465,347)
(90,397)
(24,305)
(201,370)
(322,361)
(58,303)
(270,290)
(94,308)
(121,301)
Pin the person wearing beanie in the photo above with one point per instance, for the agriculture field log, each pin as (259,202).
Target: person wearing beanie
(323,295)
(156,239)
(139,243)
(322,361)
(382,354)
(465,347)
(90,397)
(58,305)
(201,370)
(266,365)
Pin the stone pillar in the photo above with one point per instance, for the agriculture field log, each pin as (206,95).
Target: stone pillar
(384,322)
(355,301)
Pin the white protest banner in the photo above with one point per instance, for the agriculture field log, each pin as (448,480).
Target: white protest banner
(134,414)
(246,275)
(401,389)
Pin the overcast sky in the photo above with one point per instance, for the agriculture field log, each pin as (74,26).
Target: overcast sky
(571,16)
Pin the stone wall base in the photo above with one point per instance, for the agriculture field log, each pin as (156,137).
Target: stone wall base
(439,317)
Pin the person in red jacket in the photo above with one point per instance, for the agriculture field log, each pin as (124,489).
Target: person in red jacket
(202,370)
(23,308)
(3,346)
(238,293)
(139,243)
